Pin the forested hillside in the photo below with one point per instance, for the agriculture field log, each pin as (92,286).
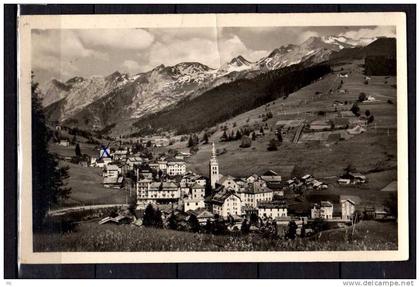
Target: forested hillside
(229,100)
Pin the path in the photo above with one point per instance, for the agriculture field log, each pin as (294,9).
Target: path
(298,133)
(62,211)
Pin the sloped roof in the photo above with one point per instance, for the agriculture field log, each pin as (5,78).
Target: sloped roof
(270,172)
(275,204)
(222,195)
(250,189)
(197,186)
(392,186)
(271,178)
(226,177)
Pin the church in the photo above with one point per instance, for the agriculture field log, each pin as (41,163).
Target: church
(213,168)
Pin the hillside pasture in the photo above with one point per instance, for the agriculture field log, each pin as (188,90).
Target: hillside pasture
(90,236)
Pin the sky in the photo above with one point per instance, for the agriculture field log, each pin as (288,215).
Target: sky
(64,53)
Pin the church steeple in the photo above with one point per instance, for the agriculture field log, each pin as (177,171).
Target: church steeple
(213,168)
(213,151)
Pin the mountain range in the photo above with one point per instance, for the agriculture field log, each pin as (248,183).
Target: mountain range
(97,102)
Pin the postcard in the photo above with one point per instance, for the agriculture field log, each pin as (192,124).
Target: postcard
(213,138)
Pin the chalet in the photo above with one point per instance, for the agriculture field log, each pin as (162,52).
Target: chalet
(357,177)
(203,215)
(356,130)
(320,125)
(271,177)
(272,209)
(323,210)
(159,142)
(64,142)
(339,123)
(343,75)
(344,181)
(225,202)
(347,209)
(380,214)
(113,182)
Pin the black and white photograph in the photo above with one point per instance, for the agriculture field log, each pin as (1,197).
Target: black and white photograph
(184,137)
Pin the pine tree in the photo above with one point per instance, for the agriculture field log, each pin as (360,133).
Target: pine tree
(205,138)
(238,135)
(291,232)
(272,146)
(149,215)
(172,224)
(279,136)
(190,141)
(77,150)
(224,136)
(193,223)
(48,187)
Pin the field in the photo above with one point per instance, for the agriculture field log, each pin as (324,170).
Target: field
(89,236)
(374,153)
(86,182)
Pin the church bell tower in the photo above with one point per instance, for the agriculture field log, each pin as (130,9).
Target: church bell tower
(213,168)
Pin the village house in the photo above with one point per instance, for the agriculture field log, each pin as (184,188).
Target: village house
(120,154)
(163,164)
(203,215)
(253,194)
(64,142)
(272,209)
(347,209)
(111,170)
(160,192)
(323,210)
(133,161)
(197,191)
(193,204)
(229,183)
(103,162)
(339,123)
(113,182)
(142,188)
(160,142)
(176,167)
(144,172)
(320,125)
(225,202)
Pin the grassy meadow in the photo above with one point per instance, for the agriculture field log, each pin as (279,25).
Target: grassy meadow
(90,236)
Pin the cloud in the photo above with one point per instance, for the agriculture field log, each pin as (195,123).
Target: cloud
(120,39)
(233,47)
(379,31)
(175,51)
(305,35)
(57,52)
(130,66)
